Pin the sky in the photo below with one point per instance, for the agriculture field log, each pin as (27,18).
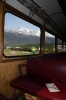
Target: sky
(12,21)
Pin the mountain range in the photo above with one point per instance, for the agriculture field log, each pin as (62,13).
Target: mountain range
(20,36)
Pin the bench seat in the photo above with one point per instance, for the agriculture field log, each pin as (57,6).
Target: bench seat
(36,86)
(39,72)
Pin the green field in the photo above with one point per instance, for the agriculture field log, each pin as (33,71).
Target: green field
(27,50)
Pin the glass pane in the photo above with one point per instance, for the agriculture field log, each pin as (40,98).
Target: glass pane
(59,47)
(20,37)
(64,47)
(49,43)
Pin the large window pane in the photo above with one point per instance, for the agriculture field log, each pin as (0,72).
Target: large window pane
(20,37)
(64,47)
(59,47)
(49,43)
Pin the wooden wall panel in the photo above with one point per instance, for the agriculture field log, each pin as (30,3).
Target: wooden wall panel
(8,71)
(1,28)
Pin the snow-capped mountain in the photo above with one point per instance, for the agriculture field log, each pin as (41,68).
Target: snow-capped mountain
(27,32)
(23,31)
(48,35)
(21,36)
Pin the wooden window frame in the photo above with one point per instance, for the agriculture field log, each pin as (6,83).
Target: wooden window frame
(3,8)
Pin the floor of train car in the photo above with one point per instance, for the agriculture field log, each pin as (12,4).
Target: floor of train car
(26,96)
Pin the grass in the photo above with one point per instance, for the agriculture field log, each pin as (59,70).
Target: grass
(8,52)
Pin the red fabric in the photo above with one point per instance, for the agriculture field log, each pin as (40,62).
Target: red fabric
(64,80)
(3,97)
(36,86)
(39,72)
(47,67)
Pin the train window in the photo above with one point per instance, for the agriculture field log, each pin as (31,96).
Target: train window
(49,43)
(20,37)
(64,47)
(59,47)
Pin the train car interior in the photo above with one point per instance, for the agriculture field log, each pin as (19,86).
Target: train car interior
(32,49)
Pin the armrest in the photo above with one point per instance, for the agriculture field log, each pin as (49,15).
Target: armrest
(19,68)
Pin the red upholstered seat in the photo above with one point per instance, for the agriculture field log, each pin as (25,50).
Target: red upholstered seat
(47,67)
(39,72)
(36,86)
(2,97)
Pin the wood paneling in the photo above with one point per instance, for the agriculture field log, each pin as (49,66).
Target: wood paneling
(1,28)
(8,71)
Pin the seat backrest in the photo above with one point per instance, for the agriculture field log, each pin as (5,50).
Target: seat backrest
(47,67)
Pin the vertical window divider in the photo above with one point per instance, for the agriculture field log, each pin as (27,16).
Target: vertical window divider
(42,41)
(56,44)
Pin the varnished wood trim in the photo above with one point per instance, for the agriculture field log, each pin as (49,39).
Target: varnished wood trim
(19,68)
(56,43)
(1,28)
(42,41)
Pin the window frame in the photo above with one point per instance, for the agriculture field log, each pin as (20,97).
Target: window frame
(6,8)
(28,22)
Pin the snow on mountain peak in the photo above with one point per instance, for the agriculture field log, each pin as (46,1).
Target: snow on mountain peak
(49,35)
(27,32)
(23,30)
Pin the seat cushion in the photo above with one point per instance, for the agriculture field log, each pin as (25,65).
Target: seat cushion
(37,86)
(63,82)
